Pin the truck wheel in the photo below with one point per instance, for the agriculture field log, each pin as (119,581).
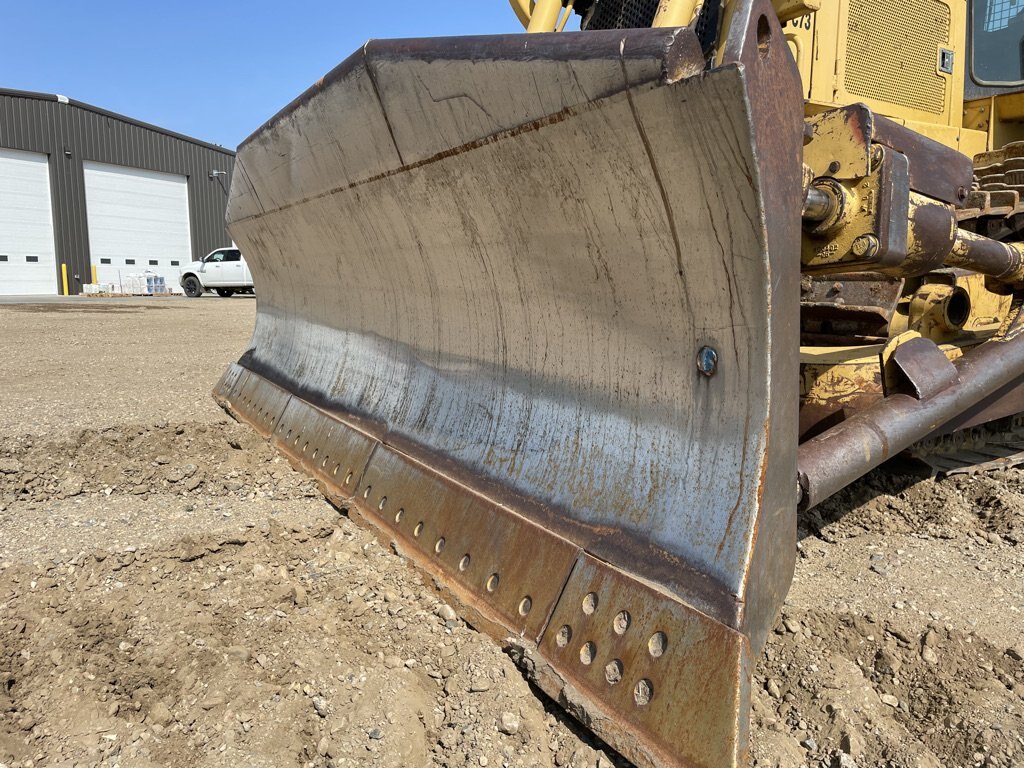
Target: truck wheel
(193,288)
(225,293)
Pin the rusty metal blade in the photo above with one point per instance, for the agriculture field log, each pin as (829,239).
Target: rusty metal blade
(527,306)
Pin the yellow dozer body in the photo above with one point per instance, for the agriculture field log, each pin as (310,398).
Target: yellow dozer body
(530,306)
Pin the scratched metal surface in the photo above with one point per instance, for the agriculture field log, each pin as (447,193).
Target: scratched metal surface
(667,686)
(666,672)
(485,268)
(518,272)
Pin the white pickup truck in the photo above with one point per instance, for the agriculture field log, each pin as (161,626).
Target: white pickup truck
(223,270)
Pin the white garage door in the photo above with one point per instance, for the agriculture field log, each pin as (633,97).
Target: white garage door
(138,223)
(27,256)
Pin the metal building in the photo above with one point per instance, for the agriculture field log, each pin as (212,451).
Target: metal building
(87,195)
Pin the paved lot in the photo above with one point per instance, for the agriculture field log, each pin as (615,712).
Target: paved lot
(91,362)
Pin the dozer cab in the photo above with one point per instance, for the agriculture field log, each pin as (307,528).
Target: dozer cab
(579,320)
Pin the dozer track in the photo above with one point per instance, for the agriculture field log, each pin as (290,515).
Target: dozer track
(528,307)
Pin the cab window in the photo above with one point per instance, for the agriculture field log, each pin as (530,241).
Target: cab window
(232,255)
(216,257)
(997,45)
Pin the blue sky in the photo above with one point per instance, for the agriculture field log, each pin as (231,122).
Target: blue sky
(214,70)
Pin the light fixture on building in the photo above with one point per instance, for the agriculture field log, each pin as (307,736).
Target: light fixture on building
(219,176)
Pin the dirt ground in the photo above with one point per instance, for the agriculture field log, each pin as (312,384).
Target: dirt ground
(174,594)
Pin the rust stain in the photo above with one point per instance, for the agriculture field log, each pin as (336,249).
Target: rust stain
(698,693)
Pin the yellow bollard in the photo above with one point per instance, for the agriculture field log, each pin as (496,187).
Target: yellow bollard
(64,278)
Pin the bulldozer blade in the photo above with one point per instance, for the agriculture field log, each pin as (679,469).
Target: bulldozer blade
(527,309)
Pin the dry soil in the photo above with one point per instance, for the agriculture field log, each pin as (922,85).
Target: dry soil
(173,594)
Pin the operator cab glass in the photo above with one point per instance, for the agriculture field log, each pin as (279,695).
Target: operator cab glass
(998,42)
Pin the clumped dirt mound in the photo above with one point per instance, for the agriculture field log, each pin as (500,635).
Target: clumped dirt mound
(858,671)
(866,691)
(196,458)
(894,500)
(291,637)
(177,594)
(270,644)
